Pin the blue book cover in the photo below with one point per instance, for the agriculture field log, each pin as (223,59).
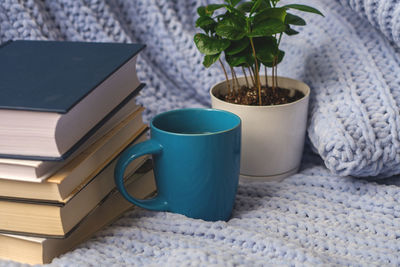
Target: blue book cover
(54,76)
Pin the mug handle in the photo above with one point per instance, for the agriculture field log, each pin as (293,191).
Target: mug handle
(147,147)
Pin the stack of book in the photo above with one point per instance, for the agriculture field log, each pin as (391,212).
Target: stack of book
(67,111)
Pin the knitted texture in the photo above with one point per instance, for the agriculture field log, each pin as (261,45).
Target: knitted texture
(384,15)
(352,69)
(354,73)
(314,217)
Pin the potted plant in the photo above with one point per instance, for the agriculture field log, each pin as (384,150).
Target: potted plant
(273,109)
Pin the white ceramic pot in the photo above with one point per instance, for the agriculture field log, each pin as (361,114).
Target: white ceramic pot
(272,136)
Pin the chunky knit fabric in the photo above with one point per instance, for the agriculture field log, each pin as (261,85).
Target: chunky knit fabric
(354,72)
(352,68)
(350,59)
(313,218)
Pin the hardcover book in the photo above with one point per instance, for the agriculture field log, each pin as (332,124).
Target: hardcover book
(57,219)
(39,170)
(52,94)
(82,168)
(34,250)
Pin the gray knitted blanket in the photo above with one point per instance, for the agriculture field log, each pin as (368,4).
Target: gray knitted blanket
(320,216)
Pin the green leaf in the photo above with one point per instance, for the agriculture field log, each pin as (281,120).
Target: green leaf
(209,45)
(236,60)
(201,11)
(212,7)
(237,12)
(210,59)
(243,58)
(267,27)
(245,7)
(271,13)
(237,46)
(294,20)
(266,48)
(232,27)
(267,3)
(281,55)
(206,23)
(256,5)
(304,8)
(289,31)
(229,32)
(264,4)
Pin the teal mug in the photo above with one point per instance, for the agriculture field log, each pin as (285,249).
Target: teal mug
(196,157)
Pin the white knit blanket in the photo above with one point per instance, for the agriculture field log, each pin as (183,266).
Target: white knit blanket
(350,59)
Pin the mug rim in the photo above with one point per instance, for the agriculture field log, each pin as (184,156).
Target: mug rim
(153,127)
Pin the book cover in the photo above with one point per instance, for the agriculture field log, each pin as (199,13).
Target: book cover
(54,94)
(54,76)
(82,140)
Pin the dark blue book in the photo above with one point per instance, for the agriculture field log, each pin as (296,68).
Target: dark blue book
(54,95)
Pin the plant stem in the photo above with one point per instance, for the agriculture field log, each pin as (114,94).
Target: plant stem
(233,78)
(245,76)
(236,79)
(276,62)
(280,38)
(276,72)
(257,74)
(226,76)
(273,76)
(252,76)
(266,77)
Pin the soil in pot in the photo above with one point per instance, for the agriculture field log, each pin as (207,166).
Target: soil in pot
(269,96)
